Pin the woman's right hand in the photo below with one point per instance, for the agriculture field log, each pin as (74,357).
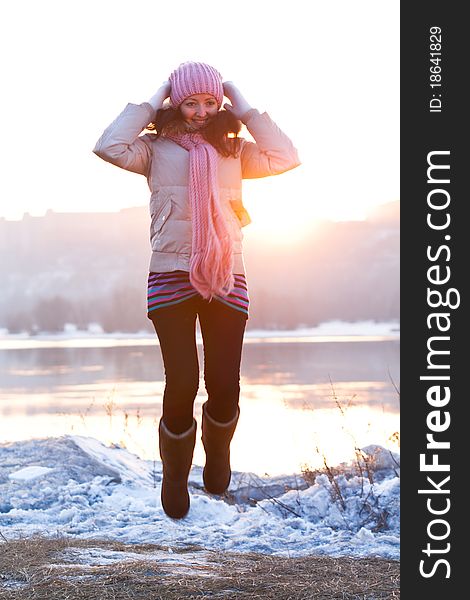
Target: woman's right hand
(165,88)
(156,101)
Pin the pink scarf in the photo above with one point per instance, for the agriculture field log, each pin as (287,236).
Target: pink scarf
(211,263)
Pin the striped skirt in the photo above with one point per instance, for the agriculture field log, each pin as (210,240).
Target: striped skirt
(166,289)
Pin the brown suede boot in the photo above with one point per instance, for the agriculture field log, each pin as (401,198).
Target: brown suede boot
(176,452)
(216,438)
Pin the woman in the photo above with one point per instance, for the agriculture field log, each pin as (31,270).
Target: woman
(194,163)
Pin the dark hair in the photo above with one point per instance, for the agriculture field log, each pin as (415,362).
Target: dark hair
(221,131)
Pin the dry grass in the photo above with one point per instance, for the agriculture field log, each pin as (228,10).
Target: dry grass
(58,569)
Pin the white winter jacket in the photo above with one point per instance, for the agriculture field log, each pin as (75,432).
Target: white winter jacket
(165,164)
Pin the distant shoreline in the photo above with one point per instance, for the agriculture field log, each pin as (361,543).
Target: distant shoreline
(331,331)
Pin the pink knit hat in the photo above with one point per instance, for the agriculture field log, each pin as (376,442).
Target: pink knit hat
(195,78)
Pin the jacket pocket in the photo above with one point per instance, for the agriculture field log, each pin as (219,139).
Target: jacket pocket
(240,211)
(160,211)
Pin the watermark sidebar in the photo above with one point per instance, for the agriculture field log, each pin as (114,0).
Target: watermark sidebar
(435,240)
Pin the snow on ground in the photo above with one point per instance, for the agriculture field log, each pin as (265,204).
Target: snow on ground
(186,563)
(77,486)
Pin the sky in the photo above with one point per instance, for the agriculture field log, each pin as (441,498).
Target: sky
(326,72)
(78,486)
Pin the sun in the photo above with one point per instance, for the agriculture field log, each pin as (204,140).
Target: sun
(279,208)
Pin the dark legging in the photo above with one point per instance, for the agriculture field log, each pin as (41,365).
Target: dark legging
(222,329)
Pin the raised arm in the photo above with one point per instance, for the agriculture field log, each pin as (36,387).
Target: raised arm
(273,152)
(120,143)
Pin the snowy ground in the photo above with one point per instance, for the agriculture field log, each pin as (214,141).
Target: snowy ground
(79,487)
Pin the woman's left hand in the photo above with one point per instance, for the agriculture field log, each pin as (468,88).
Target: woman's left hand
(239,106)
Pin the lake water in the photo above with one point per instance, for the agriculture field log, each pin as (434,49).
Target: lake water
(303,400)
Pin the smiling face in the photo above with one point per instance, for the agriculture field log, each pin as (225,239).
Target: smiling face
(197,110)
